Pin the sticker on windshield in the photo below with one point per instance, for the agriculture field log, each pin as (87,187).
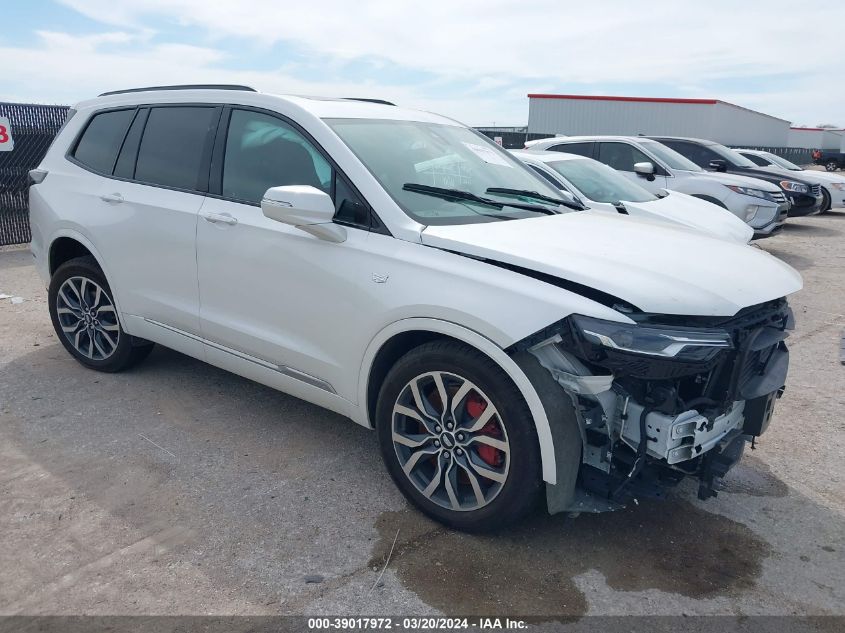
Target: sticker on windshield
(487,154)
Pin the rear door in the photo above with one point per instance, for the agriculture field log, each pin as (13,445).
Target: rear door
(149,202)
(623,156)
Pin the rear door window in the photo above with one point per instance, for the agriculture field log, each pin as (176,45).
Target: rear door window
(622,156)
(582,149)
(757,160)
(172,147)
(100,143)
(698,154)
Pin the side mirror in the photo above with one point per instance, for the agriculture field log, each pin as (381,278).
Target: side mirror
(305,207)
(718,165)
(645,170)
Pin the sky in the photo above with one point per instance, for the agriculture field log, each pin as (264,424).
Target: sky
(474,60)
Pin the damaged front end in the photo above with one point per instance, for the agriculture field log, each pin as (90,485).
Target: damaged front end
(655,400)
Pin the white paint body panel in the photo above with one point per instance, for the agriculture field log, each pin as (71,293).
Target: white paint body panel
(259,297)
(832,182)
(677,208)
(695,183)
(655,267)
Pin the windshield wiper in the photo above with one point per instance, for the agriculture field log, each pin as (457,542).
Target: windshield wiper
(537,196)
(458,194)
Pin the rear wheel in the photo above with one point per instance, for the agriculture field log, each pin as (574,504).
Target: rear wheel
(86,321)
(831,165)
(458,438)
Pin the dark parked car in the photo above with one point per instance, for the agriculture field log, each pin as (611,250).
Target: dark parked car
(805,198)
(830,158)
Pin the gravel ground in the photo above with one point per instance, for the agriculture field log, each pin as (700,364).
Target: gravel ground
(177,488)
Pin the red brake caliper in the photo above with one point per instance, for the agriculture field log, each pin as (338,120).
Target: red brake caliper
(475,407)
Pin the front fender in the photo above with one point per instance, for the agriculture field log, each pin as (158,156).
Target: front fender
(481,343)
(82,239)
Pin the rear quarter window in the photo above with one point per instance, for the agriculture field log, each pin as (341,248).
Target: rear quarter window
(582,149)
(100,143)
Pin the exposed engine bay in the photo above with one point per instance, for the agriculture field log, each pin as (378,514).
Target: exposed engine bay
(662,399)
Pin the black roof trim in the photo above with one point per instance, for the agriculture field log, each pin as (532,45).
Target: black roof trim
(181,87)
(367,100)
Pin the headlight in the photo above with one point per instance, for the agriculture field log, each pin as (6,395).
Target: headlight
(794,187)
(697,345)
(750,191)
(751,211)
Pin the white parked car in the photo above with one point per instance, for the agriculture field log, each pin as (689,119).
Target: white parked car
(833,185)
(400,269)
(655,166)
(604,189)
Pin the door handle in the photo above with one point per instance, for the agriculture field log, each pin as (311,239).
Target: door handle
(221,218)
(112,197)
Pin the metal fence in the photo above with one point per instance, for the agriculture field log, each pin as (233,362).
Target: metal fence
(33,128)
(797,155)
(512,138)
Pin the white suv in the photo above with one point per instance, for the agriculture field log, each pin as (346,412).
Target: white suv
(398,268)
(832,185)
(655,166)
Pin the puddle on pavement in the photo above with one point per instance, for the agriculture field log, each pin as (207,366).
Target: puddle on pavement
(752,476)
(671,546)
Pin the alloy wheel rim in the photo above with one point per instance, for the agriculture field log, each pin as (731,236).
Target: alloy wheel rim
(87,318)
(451,441)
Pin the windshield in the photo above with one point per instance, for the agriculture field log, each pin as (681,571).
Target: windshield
(782,162)
(731,156)
(669,156)
(400,153)
(600,183)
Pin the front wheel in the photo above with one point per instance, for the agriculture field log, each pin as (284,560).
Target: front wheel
(85,318)
(458,438)
(831,165)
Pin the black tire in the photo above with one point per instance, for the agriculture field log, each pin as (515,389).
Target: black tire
(125,353)
(520,491)
(831,165)
(825,201)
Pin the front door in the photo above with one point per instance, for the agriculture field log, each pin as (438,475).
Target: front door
(277,296)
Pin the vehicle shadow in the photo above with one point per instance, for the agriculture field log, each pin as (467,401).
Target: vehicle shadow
(833,215)
(793,225)
(270,486)
(15,257)
(799,262)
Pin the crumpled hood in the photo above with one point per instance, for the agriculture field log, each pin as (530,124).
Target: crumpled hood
(696,214)
(652,265)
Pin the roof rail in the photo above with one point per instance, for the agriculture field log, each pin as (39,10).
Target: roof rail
(181,87)
(379,101)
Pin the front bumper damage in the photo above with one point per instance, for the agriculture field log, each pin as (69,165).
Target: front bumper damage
(642,427)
